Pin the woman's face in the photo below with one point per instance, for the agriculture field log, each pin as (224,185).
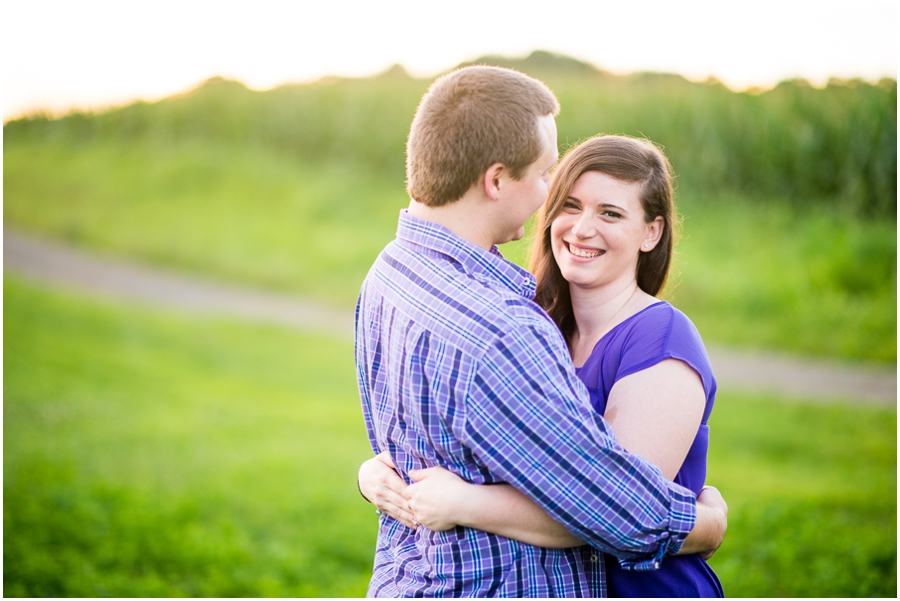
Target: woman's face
(598,235)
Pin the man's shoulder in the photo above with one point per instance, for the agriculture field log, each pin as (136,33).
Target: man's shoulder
(440,295)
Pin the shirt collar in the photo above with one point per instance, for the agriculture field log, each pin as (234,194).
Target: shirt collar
(474,260)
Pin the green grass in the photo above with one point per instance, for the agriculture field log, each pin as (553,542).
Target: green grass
(148,454)
(239,214)
(758,274)
(814,281)
(812,498)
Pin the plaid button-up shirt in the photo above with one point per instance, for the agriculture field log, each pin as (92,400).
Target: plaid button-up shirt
(459,368)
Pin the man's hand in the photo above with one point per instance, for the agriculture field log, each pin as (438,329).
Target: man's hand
(709,529)
(380,484)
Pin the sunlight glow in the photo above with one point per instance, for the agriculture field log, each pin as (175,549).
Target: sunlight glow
(96,53)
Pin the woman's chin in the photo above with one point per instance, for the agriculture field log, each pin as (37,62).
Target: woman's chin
(580,280)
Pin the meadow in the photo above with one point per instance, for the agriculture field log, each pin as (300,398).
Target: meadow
(788,196)
(153,454)
(148,454)
(752,273)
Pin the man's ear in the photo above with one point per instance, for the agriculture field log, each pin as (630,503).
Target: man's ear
(491,180)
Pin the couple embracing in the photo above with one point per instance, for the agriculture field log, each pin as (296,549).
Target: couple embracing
(536,435)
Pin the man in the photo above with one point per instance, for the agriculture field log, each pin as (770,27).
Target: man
(459,368)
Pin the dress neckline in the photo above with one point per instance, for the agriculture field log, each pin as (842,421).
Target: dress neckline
(616,327)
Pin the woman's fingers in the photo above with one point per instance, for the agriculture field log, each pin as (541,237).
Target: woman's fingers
(375,477)
(394,505)
(400,513)
(381,485)
(710,495)
(430,497)
(428,501)
(711,498)
(419,475)
(385,458)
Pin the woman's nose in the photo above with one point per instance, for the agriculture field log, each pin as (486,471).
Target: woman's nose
(584,226)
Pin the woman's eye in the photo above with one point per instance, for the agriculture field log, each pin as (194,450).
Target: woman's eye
(571,206)
(612,214)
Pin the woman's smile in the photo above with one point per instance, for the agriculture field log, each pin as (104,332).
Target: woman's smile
(583,252)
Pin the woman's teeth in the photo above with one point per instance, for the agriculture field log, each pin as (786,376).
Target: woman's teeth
(584,253)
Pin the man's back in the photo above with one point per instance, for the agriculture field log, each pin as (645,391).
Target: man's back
(458,368)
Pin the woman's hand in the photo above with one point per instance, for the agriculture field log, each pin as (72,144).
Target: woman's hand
(380,484)
(712,498)
(710,525)
(436,497)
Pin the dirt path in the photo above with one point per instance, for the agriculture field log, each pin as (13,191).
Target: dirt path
(58,265)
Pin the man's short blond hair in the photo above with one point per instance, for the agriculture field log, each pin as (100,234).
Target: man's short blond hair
(468,120)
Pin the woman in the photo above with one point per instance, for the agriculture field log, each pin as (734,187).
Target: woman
(602,252)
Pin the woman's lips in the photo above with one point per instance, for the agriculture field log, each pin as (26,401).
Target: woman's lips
(583,252)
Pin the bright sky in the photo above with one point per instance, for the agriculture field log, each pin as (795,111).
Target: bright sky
(94,53)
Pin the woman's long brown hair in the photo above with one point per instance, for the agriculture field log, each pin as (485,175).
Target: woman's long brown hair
(626,159)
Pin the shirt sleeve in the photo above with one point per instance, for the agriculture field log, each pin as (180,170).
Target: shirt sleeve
(529,421)
(667,333)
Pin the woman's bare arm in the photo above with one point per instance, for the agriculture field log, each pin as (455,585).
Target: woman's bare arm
(441,500)
(656,412)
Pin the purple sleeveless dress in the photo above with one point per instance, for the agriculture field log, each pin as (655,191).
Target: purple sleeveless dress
(648,337)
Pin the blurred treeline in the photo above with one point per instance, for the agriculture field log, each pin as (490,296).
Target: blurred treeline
(835,145)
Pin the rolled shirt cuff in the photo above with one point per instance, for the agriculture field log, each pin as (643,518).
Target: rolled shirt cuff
(681,518)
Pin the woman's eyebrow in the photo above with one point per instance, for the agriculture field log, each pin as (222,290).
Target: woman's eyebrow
(604,205)
(623,209)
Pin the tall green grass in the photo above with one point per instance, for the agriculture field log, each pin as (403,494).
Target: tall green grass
(155,455)
(793,142)
(357,122)
(761,274)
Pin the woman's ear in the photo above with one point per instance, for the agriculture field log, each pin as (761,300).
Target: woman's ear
(654,234)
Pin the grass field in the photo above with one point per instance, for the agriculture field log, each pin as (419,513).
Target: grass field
(812,498)
(239,214)
(148,454)
(750,273)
